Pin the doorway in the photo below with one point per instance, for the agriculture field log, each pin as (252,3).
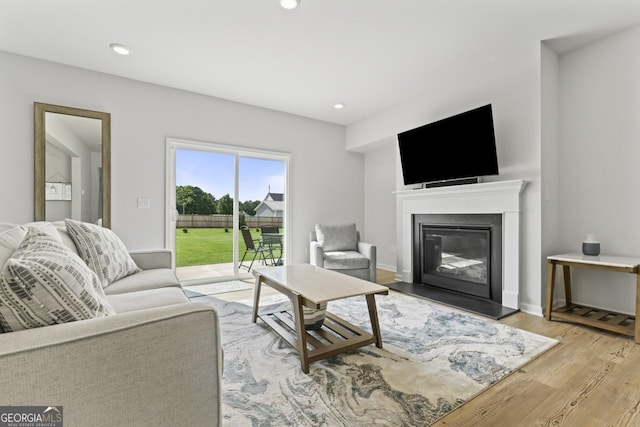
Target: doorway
(213,190)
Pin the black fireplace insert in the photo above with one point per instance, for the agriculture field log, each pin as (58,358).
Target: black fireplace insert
(459,253)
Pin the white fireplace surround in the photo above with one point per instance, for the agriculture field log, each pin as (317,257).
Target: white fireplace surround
(502,197)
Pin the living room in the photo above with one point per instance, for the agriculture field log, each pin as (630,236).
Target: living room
(541,107)
(566,123)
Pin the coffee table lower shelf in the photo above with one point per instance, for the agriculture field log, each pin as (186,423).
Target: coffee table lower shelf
(336,335)
(597,317)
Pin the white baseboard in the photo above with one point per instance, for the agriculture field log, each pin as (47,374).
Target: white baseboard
(386,267)
(536,310)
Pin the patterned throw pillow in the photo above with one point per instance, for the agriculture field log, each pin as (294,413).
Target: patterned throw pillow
(44,283)
(102,250)
(11,235)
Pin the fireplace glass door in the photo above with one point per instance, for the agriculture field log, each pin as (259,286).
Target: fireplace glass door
(457,258)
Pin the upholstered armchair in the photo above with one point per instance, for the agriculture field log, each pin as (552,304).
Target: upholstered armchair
(338,247)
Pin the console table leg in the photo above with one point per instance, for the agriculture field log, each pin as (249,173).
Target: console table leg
(551,280)
(566,271)
(373,315)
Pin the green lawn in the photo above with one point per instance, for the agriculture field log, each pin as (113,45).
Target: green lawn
(200,246)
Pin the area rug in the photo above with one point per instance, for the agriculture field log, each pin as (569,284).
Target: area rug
(434,359)
(216,288)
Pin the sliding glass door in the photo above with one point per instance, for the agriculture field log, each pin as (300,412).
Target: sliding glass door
(213,193)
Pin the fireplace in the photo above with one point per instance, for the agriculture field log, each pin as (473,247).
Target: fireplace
(459,253)
(494,199)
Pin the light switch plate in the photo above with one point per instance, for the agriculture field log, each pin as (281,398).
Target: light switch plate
(144,203)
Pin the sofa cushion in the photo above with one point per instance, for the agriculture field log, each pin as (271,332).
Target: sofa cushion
(44,283)
(145,279)
(102,250)
(345,260)
(150,298)
(337,237)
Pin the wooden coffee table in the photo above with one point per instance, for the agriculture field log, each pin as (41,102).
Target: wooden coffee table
(310,286)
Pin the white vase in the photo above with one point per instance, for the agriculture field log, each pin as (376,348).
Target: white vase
(314,318)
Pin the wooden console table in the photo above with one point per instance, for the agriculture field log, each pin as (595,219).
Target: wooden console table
(604,319)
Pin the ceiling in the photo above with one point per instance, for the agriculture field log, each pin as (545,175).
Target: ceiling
(368,54)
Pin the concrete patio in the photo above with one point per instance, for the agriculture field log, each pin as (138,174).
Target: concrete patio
(212,273)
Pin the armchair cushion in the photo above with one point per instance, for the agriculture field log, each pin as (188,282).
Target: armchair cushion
(337,237)
(345,260)
(45,283)
(102,250)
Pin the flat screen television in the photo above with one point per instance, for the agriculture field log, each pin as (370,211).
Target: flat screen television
(455,148)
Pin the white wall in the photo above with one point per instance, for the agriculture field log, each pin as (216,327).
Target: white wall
(512,86)
(599,151)
(327,181)
(379,222)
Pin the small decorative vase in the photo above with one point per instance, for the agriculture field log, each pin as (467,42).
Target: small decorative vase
(591,246)
(314,318)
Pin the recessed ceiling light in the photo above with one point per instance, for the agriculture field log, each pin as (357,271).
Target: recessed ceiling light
(338,106)
(120,49)
(289,4)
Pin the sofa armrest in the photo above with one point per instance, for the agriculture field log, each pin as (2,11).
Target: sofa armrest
(150,259)
(153,367)
(316,254)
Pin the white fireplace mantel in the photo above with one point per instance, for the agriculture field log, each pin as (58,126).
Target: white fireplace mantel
(502,197)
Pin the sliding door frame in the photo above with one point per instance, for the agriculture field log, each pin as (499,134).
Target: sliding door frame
(171,213)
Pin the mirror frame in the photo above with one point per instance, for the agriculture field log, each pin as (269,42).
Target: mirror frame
(40,141)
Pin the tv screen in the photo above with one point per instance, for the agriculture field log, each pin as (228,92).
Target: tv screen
(457,147)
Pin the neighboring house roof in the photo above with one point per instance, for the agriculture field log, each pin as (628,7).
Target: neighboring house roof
(276,197)
(272,205)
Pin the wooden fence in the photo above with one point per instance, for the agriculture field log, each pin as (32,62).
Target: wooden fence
(225,221)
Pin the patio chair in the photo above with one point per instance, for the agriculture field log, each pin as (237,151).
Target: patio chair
(254,246)
(272,238)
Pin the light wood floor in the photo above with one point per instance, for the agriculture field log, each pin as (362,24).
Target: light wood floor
(591,378)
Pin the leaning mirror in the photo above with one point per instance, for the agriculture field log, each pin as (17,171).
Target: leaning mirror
(72,164)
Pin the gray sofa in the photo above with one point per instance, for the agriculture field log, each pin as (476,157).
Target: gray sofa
(156,362)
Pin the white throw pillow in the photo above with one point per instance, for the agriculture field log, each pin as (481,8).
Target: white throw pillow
(337,237)
(44,283)
(102,250)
